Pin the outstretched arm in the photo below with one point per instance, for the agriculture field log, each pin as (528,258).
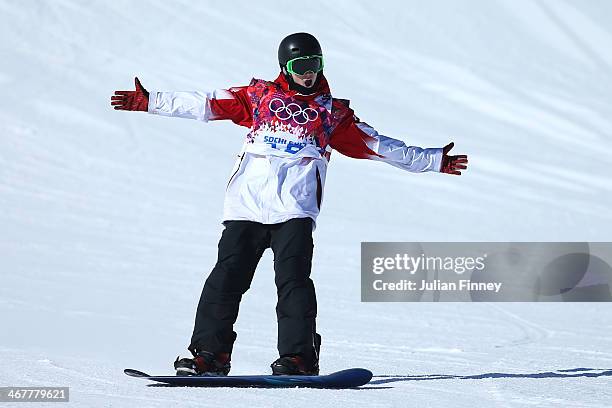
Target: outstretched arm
(359,140)
(233,103)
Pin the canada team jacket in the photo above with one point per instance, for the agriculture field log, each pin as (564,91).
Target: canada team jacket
(280,172)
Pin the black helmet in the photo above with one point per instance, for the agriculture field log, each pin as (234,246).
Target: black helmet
(297,45)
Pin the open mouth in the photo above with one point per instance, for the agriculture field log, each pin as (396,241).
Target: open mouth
(308,83)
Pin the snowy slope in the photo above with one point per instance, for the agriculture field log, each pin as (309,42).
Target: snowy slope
(109,220)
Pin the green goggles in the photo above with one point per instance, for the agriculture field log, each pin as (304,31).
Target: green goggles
(302,65)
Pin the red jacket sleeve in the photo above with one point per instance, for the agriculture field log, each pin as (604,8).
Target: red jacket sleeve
(359,140)
(233,104)
(349,140)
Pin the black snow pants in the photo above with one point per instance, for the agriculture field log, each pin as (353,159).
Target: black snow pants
(240,248)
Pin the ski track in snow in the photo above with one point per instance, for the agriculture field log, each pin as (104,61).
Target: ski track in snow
(110,220)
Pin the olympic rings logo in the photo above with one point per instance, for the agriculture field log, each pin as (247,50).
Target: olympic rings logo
(292,111)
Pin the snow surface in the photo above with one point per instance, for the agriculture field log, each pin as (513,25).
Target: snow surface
(109,220)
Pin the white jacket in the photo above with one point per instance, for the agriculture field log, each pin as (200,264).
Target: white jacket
(280,172)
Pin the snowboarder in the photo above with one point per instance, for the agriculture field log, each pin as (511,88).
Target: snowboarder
(274,195)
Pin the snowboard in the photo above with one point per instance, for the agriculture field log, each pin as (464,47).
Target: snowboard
(353,377)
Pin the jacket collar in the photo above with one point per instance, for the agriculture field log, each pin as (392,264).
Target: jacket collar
(322,89)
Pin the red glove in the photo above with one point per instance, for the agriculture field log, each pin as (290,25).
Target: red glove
(453,164)
(137,100)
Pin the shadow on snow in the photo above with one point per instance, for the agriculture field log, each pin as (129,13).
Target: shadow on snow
(567,373)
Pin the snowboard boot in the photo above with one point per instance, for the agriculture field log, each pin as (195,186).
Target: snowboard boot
(294,365)
(299,364)
(204,363)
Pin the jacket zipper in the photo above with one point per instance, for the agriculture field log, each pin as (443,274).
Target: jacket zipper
(236,172)
(319,190)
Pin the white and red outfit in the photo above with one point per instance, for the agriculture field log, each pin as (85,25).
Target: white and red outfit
(280,172)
